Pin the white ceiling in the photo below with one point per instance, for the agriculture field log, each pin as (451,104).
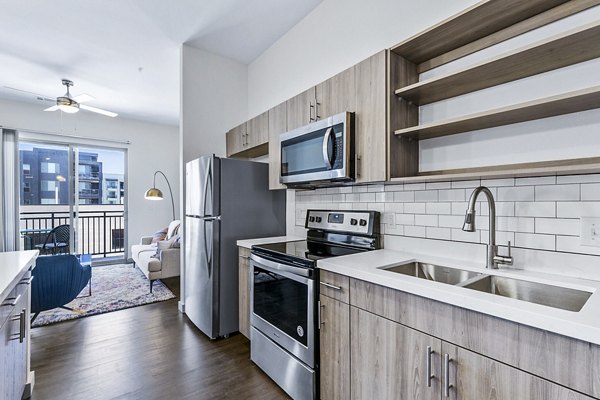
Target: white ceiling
(126,52)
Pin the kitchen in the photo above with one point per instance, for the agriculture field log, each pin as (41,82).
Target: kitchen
(435,201)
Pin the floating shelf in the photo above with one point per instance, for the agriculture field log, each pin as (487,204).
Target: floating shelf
(559,51)
(470,25)
(580,100)
(543,168)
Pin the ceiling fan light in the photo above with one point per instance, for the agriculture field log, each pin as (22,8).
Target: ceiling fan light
(67,105)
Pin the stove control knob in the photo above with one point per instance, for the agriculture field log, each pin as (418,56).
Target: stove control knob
(353,221)
(318,219)
(363,222)
(311,219)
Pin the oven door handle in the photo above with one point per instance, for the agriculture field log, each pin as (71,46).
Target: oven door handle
(277,267)
(326,147)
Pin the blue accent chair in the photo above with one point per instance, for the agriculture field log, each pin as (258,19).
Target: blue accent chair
(57,281)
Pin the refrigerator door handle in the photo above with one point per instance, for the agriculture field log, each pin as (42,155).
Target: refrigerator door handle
(205,190)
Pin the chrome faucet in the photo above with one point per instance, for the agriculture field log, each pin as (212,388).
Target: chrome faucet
(493,258)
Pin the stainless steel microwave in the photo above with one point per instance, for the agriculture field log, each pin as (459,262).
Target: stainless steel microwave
(319,153)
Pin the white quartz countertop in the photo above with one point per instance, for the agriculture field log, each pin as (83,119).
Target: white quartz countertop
(248,243)
(12,265)
(583,325)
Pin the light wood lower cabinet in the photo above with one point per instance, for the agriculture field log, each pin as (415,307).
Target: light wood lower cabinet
(334,354)
(244,291)
(389,359)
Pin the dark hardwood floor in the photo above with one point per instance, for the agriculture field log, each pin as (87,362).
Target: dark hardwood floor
(147,352)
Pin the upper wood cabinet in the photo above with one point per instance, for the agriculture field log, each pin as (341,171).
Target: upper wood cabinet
(249,139)
(301,109)
(277,126)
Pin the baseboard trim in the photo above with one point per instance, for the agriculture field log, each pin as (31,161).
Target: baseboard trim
(181,306)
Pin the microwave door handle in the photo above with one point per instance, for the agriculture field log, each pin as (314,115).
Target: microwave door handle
(325,146)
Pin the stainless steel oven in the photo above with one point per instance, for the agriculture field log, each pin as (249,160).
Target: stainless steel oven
(284,329)
(319,153)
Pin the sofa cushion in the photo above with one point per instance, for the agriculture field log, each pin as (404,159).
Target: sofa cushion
(173,229)
(149,263)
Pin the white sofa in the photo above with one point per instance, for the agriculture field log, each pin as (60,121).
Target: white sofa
(167,265)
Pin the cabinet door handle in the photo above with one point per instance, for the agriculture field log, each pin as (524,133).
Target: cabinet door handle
(317,116)
(22,326)
(447,384)
(310,112)
(429,376)
(12,302)
(319,321)
(329,285)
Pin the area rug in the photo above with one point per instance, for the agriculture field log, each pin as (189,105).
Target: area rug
(114,287)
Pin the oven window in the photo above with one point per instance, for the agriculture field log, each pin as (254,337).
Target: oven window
(303,154)
(282,302)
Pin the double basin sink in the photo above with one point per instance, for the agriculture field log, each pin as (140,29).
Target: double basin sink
(532,292)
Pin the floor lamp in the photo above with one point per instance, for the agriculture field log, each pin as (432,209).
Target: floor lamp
(155,194)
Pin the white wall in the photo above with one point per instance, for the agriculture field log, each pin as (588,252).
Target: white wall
(213,100)
(152,147)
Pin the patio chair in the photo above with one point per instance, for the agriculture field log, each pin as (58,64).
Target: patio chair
(57,281)
(57,241)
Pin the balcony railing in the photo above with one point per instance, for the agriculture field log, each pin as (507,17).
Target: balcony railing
(99,232)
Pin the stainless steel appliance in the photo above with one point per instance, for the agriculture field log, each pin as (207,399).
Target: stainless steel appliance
(284,296)
(319,153)
(226,200)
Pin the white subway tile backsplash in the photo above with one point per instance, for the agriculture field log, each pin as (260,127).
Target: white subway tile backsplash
(535,209)
(438,208)
(437,185)
(590,191)
(404,197)
(540,213)
(414,208)
(535,241)
(577,209)
(426,195)
(557,193)
(438,233)
(414,186)
(590,178)
(558,226)
(466,184)
(405,219)
(462,236)
(498,182)
(452,195)
(451,221)
(426,220)
(536,180)
(525,193)
(416,231)
(394,207)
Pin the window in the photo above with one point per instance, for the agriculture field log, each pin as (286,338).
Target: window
(48,201)
(111,183)
(26,187)
(50,168)
(26,170)
(49,186)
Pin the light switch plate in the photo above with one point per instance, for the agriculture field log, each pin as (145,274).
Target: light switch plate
(590,231)
(390,219)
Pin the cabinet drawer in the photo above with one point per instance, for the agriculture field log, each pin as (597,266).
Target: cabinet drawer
(334,286)
(20,289)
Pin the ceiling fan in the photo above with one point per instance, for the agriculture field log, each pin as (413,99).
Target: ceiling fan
(71,105)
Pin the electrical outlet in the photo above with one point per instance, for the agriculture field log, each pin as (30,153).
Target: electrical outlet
(590,231)
(390,220)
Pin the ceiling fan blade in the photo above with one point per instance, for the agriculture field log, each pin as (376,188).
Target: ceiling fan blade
(98,110)
(53,108)
(83,98)
(39,96)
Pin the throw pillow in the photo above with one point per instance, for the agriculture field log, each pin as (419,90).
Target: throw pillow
(166,244)
(159,235)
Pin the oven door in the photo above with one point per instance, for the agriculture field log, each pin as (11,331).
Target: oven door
(282,306)
(321,151)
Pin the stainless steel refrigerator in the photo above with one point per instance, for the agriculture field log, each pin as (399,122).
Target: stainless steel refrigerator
(226,200)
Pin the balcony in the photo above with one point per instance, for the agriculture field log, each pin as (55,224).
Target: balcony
(89,176)
(100,229)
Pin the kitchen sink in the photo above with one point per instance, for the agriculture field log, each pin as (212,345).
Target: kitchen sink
(432,272)
(533,292)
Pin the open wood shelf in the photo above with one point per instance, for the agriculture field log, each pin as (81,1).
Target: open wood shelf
(480,20)
(580,100)
(568,48)
(542,168)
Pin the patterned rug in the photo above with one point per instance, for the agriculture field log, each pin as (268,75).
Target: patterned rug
(114,287)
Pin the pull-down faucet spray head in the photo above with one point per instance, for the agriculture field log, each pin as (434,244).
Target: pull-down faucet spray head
(469,225)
